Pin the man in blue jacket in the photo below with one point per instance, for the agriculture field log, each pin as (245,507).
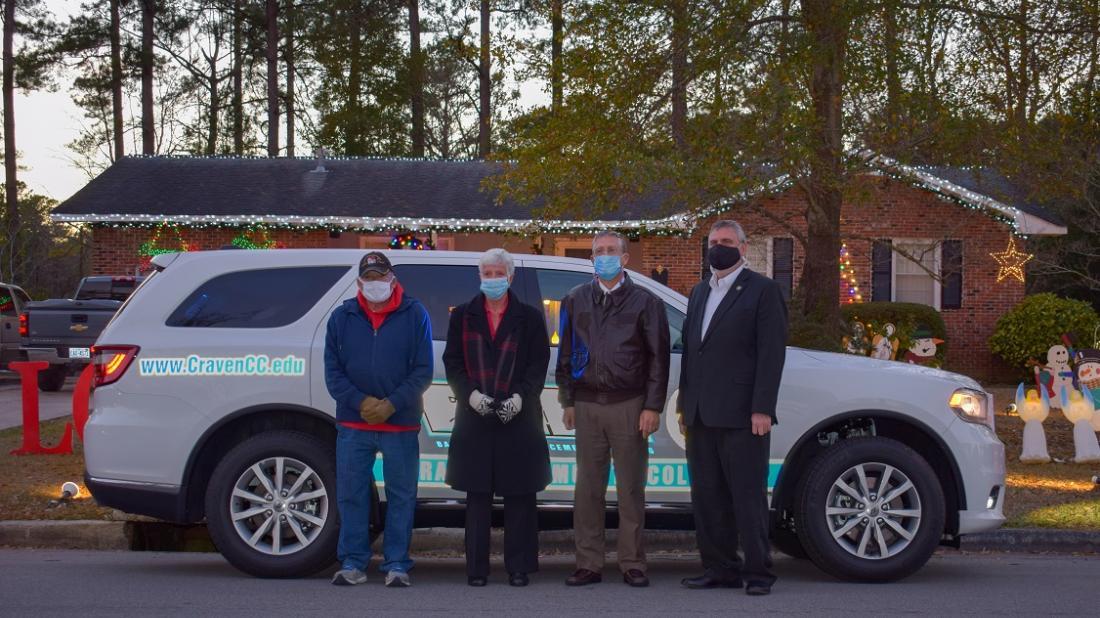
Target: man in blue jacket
(378,363)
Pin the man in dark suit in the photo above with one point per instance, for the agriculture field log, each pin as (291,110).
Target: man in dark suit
(735,339)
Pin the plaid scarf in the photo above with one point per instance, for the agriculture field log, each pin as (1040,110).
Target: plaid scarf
(496,382)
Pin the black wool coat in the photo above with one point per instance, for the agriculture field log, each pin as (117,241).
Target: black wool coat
(486,455)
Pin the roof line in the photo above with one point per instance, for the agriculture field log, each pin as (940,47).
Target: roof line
(674,223)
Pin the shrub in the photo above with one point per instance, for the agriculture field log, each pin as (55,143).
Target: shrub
(910,320)
(1038,322)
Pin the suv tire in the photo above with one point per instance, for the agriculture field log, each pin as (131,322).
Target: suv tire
(258,488)
(51,380)
(848,540)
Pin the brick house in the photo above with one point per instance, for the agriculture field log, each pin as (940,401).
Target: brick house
(911,234)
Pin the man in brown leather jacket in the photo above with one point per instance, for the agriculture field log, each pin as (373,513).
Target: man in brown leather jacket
(612,376)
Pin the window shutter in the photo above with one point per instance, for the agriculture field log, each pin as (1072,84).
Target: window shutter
(783,265)
(704,266)
(882,263)
(951,274)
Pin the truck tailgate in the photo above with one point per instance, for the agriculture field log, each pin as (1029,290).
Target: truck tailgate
(68,323)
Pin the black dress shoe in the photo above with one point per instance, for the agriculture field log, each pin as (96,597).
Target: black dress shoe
(636,578)
(708,581)
(758,589)
(583,577)
(518,579)
(477,581)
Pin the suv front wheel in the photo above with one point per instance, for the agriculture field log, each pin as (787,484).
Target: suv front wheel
(271,505)
(870,509)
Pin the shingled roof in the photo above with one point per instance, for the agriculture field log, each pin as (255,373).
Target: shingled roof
(379,193)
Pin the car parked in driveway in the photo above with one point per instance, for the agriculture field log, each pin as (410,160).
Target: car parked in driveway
(210,405)
(13,300)
(61,331)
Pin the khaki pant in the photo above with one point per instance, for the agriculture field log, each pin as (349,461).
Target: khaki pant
(607,432)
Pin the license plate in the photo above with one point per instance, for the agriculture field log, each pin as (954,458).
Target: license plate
(80,352)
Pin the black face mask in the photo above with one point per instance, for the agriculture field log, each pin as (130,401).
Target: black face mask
(722,257)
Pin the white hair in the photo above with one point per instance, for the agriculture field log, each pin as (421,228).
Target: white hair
(498,256)
(623,242)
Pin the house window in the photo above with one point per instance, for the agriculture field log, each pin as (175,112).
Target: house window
(914,264)
(771,256)
(581,249)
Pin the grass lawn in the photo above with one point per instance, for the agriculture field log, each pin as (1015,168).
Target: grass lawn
(29,482)
(1053,495)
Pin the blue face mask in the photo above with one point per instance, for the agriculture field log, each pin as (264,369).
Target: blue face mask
(494,288)
(608,266)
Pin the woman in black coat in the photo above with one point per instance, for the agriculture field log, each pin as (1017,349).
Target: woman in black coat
(496,358)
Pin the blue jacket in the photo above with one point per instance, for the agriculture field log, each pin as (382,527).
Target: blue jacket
(394,362)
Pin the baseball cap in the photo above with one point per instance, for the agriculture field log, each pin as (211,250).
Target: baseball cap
(375,261)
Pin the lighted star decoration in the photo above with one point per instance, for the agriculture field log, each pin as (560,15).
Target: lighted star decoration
(1011,261)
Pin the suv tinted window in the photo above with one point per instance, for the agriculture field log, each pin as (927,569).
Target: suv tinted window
(262,298)
(440,288)
(553,286)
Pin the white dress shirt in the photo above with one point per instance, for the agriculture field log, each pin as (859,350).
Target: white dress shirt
(718,290)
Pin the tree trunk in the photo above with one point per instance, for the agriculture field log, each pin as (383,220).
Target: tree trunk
(679,74)
(238,80)
(1023,80)
(352,137)
(116,82)
(215,106)
(11,187)
(416,79)
(148,135)
(893,50)
(290,68)
(272,15)
(827,26)
(484,137)
(557,76)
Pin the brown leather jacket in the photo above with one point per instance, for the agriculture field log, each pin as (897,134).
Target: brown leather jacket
(613,346)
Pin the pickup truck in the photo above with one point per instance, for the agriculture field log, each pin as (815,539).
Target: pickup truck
(62,331)
(13,300)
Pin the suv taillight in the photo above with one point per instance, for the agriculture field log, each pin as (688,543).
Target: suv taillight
(24,325)
(111,361)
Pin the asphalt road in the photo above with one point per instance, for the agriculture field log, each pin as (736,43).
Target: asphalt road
(88,583)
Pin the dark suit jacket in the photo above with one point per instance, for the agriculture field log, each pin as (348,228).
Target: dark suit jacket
(735,369)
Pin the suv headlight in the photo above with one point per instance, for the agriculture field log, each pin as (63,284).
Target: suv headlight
(972,406)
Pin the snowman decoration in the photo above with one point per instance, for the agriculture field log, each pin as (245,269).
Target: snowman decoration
(1033,408)
(885,345)
(1088,372)
(1079,409)
(1057,375)
(922,349)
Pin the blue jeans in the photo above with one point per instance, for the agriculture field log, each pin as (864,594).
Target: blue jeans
(356,451)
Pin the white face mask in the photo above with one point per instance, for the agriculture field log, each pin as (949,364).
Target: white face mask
(376,291)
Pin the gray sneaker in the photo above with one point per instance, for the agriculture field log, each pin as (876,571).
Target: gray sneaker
(397,579)
(349,577)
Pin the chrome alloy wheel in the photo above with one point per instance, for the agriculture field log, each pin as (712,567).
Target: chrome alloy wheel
(279,506)
(873,511)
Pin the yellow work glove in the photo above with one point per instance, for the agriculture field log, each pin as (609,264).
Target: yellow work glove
(379,412)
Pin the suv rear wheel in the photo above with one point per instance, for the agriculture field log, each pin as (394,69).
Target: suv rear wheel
(870,509)
(271,505)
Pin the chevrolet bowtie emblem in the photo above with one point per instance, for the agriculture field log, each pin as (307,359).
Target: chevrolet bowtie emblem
(78,328)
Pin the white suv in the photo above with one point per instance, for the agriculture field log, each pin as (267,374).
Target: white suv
(210,404)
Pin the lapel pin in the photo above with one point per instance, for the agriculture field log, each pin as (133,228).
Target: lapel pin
(738,288)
